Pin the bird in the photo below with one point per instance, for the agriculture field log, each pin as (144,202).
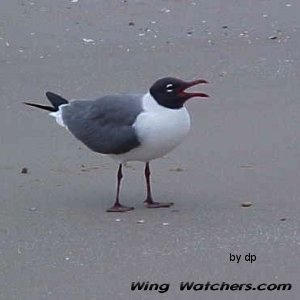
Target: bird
(129,127)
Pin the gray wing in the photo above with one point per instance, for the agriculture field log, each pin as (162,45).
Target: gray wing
(104,125)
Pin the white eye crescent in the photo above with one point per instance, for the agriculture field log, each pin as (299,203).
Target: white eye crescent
(169,88)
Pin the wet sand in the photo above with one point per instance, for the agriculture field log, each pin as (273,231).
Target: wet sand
(57,241)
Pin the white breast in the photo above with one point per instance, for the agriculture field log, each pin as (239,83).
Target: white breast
(159,129)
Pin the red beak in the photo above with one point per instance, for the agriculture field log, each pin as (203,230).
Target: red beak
(196,94)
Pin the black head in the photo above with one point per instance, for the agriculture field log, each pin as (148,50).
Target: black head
(170,92)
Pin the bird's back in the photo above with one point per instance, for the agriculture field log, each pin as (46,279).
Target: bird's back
(104,125)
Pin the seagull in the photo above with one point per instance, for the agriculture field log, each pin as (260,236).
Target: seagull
(129,127)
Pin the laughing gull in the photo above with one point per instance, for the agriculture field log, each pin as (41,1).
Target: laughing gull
(129,127)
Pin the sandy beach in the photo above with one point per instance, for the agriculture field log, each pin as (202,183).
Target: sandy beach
(234,180)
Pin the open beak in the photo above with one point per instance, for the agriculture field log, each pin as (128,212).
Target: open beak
(189,84)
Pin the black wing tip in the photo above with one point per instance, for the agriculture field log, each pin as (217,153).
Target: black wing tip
(49,108)
(56,99)
(49,94)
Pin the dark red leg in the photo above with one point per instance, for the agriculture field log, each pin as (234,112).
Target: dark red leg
(149,201)
(117,207)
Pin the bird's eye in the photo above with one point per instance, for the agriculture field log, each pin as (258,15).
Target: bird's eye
(169,88)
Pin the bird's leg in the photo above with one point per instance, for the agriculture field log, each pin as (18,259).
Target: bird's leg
(149,201)
(117,207)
